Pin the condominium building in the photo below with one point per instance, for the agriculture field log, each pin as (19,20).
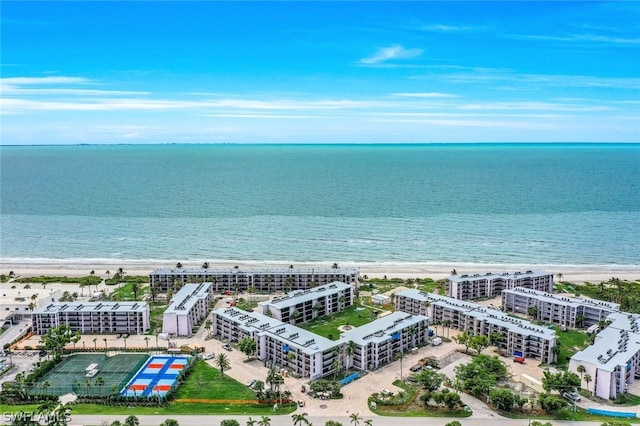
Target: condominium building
(519,338)
(188,307)
(93,317)
(309,355)
(303,305)
(571,312)
(477,286)
(378,342)
(234,324)
(260,280)
(613,361)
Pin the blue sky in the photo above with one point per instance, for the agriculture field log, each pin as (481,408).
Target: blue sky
(319,72)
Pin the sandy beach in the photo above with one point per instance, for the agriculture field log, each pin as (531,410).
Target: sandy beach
(571,273)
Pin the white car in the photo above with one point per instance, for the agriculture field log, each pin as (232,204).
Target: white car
(208,356)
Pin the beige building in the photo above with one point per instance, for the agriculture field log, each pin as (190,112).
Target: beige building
(188,307)
(93,317)
(479,286)
(572,312)
(304,305)
(260,280)
(520,338)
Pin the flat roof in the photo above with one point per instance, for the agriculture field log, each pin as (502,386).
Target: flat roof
(503,275)
(261,271)
(564,300)
(187,297)
(59,307)
(248,321)
(492,316)
(614,347)
(383,328)
(303,340)
(301,296)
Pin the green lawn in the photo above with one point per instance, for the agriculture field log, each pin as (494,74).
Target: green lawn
(205,383)
(125,293)
(381,285)
(327,326)
(571,341)
(155,316)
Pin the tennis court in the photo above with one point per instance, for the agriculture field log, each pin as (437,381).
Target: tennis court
(90,374)
(156,377)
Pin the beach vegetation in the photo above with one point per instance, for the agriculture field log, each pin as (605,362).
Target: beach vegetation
(626,293)
(128,292)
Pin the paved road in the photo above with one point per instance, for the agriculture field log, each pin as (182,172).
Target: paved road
(286,421)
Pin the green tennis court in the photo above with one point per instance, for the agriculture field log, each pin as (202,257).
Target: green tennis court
(90,374)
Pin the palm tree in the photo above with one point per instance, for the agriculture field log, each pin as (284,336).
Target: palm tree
(146,341)
(264,421)
(580,369)
(335,266)
(208,324)
(400,356)
(580,319)
(87,386)
(154,293)
(105,343)
(532,311)
(108,274)
(205,265)
(46,385)
(124,340)
(349,351)
(135,288)
(222,362)
(447,323)
(300,419)
(587,379)
(251,422)
(368,422)
(355,419)
(100,384)
(95,343)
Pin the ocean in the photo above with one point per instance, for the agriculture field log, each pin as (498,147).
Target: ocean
(537,204)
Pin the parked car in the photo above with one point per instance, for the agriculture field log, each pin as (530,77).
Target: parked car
(416,368)
(386,392)
(227,347)
(572,396)
(303,389)
(519,359)
(208,356)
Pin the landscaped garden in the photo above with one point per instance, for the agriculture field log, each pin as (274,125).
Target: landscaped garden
(353,316)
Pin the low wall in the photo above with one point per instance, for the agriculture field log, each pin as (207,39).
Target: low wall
(608,413)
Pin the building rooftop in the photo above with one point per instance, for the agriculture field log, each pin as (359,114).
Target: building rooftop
(564,300)
(504,276)
(382,329)
(262,271)
(61,307)
(301,296)
(187,296)
(303,340)
(249,321)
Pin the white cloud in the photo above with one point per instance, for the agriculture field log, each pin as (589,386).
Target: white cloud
(425,95)
(449,28)
(25,81)
(385,54)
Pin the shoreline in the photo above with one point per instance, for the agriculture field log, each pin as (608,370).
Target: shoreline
(404,270)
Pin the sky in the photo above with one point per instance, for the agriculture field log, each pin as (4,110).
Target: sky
(319,72)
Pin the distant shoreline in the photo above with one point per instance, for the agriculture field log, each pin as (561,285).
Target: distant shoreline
(82,267)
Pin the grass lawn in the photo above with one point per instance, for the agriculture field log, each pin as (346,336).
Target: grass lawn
(245,304)
(382,285)
(155,316)
(125,293)
(571,341)
(205,383)
(327,326)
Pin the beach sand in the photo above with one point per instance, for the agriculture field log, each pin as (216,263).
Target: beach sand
(570,273)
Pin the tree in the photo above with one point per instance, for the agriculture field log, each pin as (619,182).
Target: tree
(563,381)
(496,338)
(100,384)
(178,265)
(532,311)
(135,288)
(400,356)
(580,319)
(248,346)
(170,422)
(205,265)
(132,421)
(587,379)
(355,419)
(300,419)
(251,422)
(335,266)
(464,338)
(332,423)
(479,342)
(453,422)
(208,324)
(368,422)
(537,423)
(451,399)
(551,403)
(57,338)
(229,422)
(581,369)
(264,421)
(349,351)
(429,380)
(502,399)
(222,362)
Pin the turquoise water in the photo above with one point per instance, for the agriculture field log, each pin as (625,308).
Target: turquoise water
(487,203)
